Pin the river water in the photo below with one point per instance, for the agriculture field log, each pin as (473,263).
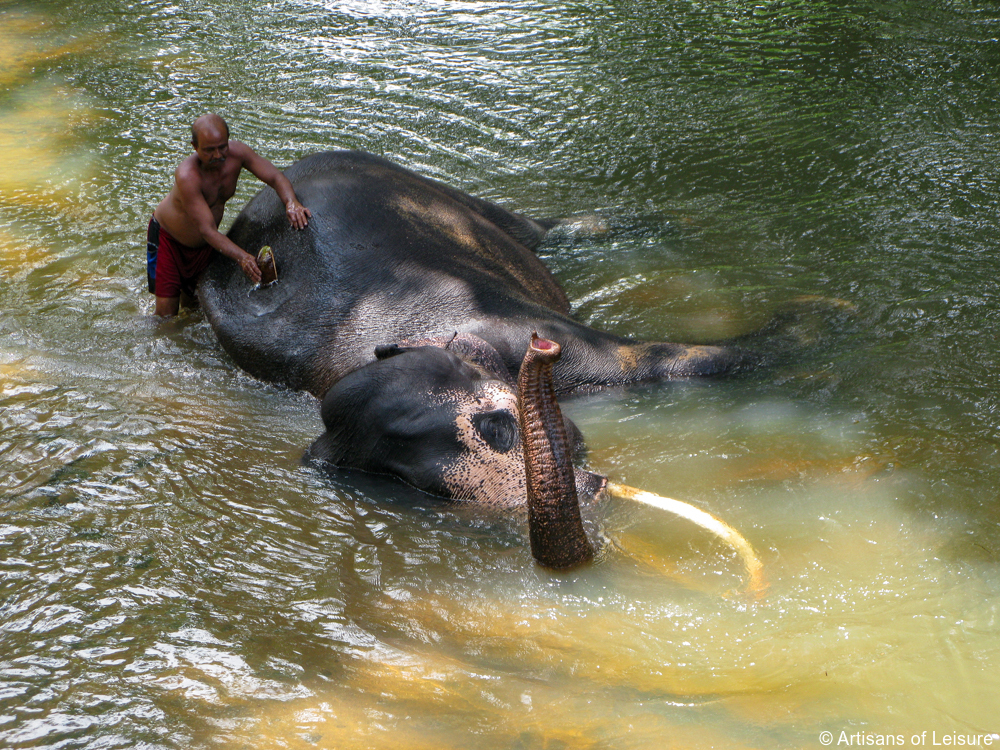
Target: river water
(172,577)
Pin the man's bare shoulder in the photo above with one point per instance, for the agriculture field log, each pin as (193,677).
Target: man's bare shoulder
(187,171)
(241,151)
(246,158)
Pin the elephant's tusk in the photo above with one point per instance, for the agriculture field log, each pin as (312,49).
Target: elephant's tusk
(756,583)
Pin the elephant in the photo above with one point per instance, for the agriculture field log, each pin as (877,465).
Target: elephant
(436,338)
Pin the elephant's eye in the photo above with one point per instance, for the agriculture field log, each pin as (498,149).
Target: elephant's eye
(498,428)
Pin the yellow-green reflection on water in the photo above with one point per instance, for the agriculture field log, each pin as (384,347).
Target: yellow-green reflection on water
(40,119)
(172,577)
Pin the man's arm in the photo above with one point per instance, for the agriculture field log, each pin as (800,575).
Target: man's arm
(189,187)
(266,172)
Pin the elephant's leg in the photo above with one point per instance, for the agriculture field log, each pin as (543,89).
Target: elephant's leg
(666,361)
(593,359)
(628,363)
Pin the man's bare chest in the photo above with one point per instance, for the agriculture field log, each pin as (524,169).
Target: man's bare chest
(218,190)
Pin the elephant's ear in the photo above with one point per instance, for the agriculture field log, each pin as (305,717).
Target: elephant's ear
(472,349)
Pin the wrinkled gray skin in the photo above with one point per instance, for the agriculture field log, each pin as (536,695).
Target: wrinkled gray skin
(446,290)
(390,255)
(447,422)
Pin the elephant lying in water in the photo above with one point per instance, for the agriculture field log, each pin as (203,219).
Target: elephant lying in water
(408,307)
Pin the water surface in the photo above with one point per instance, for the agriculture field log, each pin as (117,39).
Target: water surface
(171,576)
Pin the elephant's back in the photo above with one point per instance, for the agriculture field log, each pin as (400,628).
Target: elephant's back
(379,223)
(387,255)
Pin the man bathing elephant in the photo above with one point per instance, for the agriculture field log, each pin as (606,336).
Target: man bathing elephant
(184,228)
(434,335)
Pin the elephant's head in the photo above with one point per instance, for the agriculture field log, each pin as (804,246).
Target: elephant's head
(444,415)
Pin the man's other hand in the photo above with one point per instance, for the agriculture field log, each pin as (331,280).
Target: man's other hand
(298,215)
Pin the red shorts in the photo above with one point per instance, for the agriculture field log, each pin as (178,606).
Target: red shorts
(172,268)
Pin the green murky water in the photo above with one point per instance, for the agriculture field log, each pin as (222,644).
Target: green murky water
(170,576)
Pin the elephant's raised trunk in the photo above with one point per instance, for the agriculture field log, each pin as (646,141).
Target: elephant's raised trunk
(558,539)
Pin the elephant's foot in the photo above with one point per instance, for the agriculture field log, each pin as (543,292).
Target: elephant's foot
(584,225)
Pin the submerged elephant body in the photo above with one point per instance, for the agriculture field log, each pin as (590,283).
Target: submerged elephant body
(408,307)
(390,255)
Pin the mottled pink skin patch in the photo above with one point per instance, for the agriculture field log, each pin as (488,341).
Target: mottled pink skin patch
(482,474)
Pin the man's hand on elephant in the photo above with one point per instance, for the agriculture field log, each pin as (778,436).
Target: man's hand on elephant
(248,264)
(298,215)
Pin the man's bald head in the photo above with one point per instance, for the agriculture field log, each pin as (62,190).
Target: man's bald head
(211,125)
